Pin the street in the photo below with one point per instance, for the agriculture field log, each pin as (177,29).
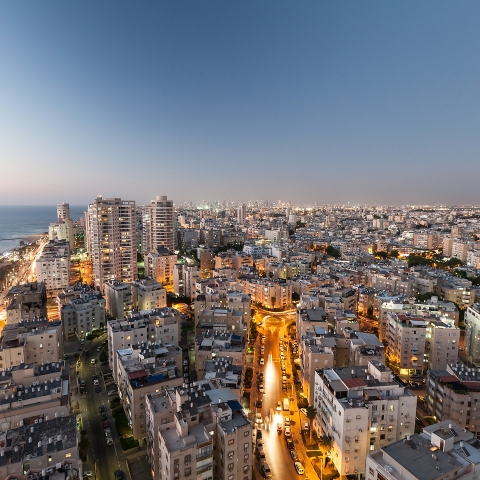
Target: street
(277,454)
(102,459)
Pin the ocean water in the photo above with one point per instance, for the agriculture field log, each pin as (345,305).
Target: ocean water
(20,221)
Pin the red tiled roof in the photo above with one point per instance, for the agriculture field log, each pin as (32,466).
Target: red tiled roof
(137,374)
(354,382)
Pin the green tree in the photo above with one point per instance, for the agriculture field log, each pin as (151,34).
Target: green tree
(333,252)
(394,254)
(273,300)
(381,254)
(324,444)
(311,414)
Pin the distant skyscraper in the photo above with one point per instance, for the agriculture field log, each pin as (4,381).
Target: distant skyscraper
(63,211)
(111,240)
(241,213)
(159,225)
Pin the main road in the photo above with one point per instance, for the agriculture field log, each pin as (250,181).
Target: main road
(275,447)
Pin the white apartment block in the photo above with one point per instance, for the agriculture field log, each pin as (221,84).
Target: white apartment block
(111,240)
(148,294)
(159,264)
(268,293)
(199,431)
(26,302)
(119,298)
(143,369)
(184,278)
(82,310)
(442,340)
(361,409)
(444,450)
(472,333)
(53,266)
(473,258)
(460,249)
(406,341)
(33,394)
(157,326)
(32,341)
(159,225)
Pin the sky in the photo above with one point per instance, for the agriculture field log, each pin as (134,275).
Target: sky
(303,101)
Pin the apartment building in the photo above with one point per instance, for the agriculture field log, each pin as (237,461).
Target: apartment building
(308,318)
(53,266)
(473,258)
(40,450)
(31,341)
(212,344)
(206,257)
(119,298)
(161,325)
(456,290)
(111,240)
(184,278)
(198,431)
(442,340)
(232,300)
(472,333)
(26,302)
(460,249)
(159,264)
(406,342)
(362,409)
(81,310)
(148,294)
(32,394)
(143,369)
(268,293)
(443,450)
(223,319)
(159,225)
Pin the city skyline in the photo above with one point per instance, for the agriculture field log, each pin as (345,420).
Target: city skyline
(321,102)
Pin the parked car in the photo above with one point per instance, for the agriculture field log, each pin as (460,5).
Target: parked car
(112,392)
(93,361)
(294,455)
(119,475)
(104,416)
(288,431)
(267,473)
(299,468)
(109,441)
(290,444)
(102,408)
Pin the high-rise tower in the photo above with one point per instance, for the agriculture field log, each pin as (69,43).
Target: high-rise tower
(111,240)
(159,225)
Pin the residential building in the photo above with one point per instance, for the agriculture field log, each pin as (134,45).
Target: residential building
(26,302)
(119,298)
(472,333)
(442,340)
(443,450)
(143,369)
(362,409)
(53,266)
(111,240)
(159,264)
(159,225)
(200,431)
(148,294)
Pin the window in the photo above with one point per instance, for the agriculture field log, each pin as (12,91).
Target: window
(176,463)
(230,455)
(245,434)
(188,472)
(188,459)
(245,446)
(231,441)
(382,436)
(245,458)
(230,466)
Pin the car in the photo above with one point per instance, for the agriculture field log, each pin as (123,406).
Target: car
(287,420)
(260,444)
(259,434)
(112,392)
(258,404)
(109,441)
(99,349)
(262,361)
(261,456)
(95,376)
(258,418)
(267,473)
(306,426)
(98,389)
(288,431)
(284,378)
(119,475)
(85,353)
(88,473)
(93,361)
(83,389)
(105,362)
(304,411)
(105,424)
(108,432)
(102,408)
(65,357)
(299,468)
(104,416)
(294,455)
(278,407)
(279,428)
(289,442)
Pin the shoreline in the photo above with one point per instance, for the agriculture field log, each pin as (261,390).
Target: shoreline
(28,240)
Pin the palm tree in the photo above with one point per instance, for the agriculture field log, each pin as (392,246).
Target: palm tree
(311,414)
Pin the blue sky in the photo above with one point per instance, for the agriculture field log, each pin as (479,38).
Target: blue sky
(311,101)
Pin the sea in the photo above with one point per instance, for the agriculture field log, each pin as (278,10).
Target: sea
(18,222)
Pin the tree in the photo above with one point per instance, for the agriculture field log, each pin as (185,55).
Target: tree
(381,254)
(324,444)
(333,252)
(311,414)
(394,254)
(273,300)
